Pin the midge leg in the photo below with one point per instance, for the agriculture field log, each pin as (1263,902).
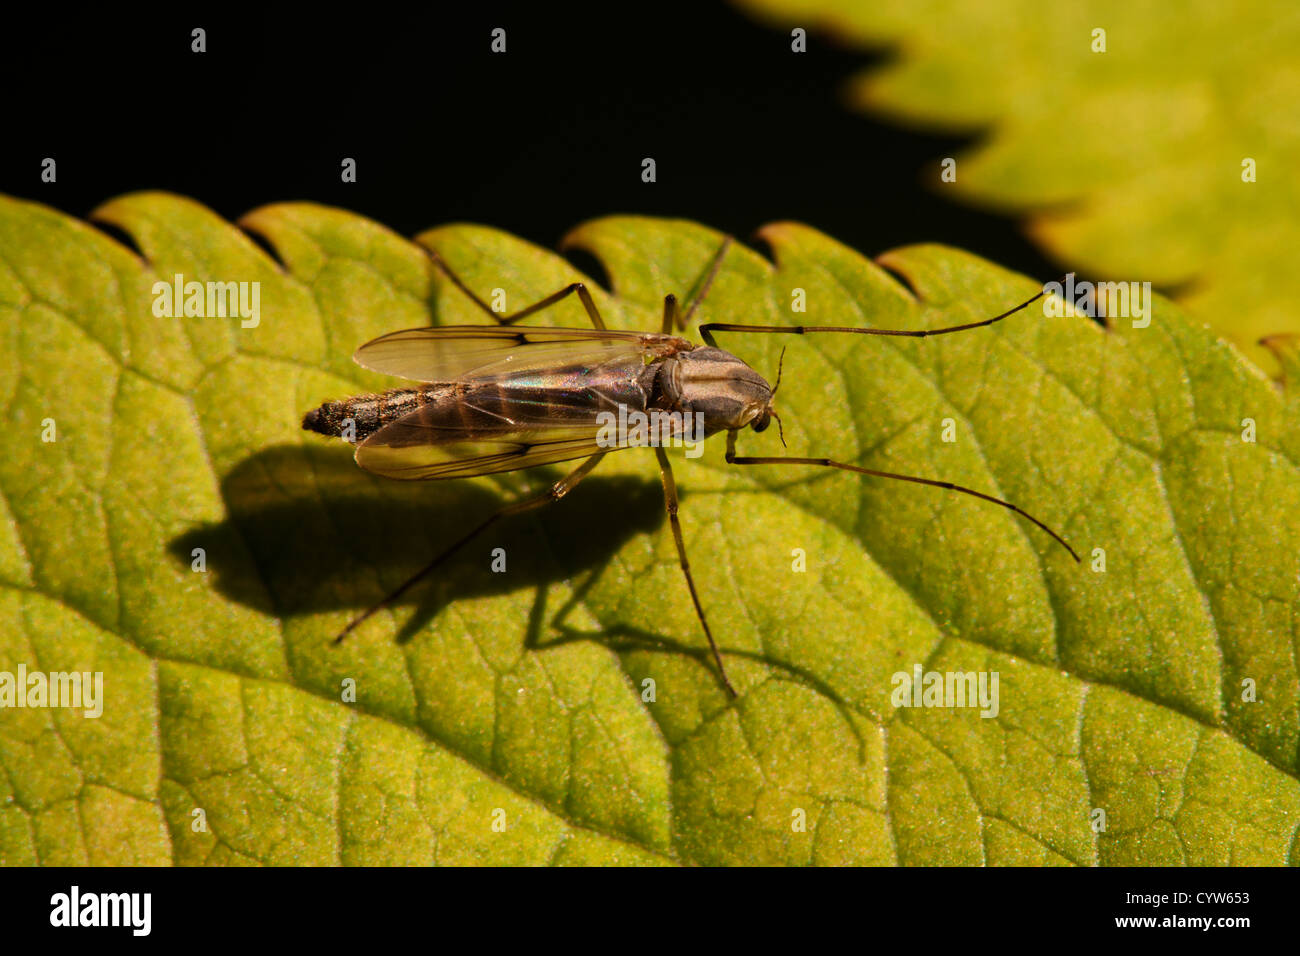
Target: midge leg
(734,459)
(670,314)
(554,493)
(670,502)
(697,294)
(673,319)
(587,302)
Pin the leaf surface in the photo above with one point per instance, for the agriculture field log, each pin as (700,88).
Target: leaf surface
(505,717)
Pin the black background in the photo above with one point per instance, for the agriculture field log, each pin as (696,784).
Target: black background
(533,141)
(739,911)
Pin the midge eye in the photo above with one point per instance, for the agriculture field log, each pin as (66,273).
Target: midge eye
(504,397)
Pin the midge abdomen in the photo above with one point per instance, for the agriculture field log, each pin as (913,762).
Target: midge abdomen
(545,405)
(368,413)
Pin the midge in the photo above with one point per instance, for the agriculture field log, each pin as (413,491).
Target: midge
(496,398)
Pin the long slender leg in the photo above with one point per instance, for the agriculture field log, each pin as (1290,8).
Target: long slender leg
(554,493)
(707,330)
(670,314)
(697,294)
(670,502)
(734,459)
(587,302)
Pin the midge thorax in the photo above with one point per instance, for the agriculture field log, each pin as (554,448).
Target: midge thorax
(503,397)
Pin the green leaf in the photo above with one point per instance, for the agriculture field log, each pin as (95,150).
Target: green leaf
(518,697)
(1127,163)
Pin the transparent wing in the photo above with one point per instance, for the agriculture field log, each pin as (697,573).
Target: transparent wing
(468,458)
(504,425)
(462,352)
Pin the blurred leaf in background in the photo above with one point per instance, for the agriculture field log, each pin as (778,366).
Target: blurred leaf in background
(1127,164)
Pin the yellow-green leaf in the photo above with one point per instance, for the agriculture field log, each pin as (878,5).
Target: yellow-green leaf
(507,718)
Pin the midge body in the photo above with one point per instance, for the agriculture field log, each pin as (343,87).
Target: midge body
(658,373)
(494,398)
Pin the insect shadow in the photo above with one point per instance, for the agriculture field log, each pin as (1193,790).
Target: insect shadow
(306,533)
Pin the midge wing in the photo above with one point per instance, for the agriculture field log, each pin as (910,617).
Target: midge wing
(505,424)
(469,458)
(464,352)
